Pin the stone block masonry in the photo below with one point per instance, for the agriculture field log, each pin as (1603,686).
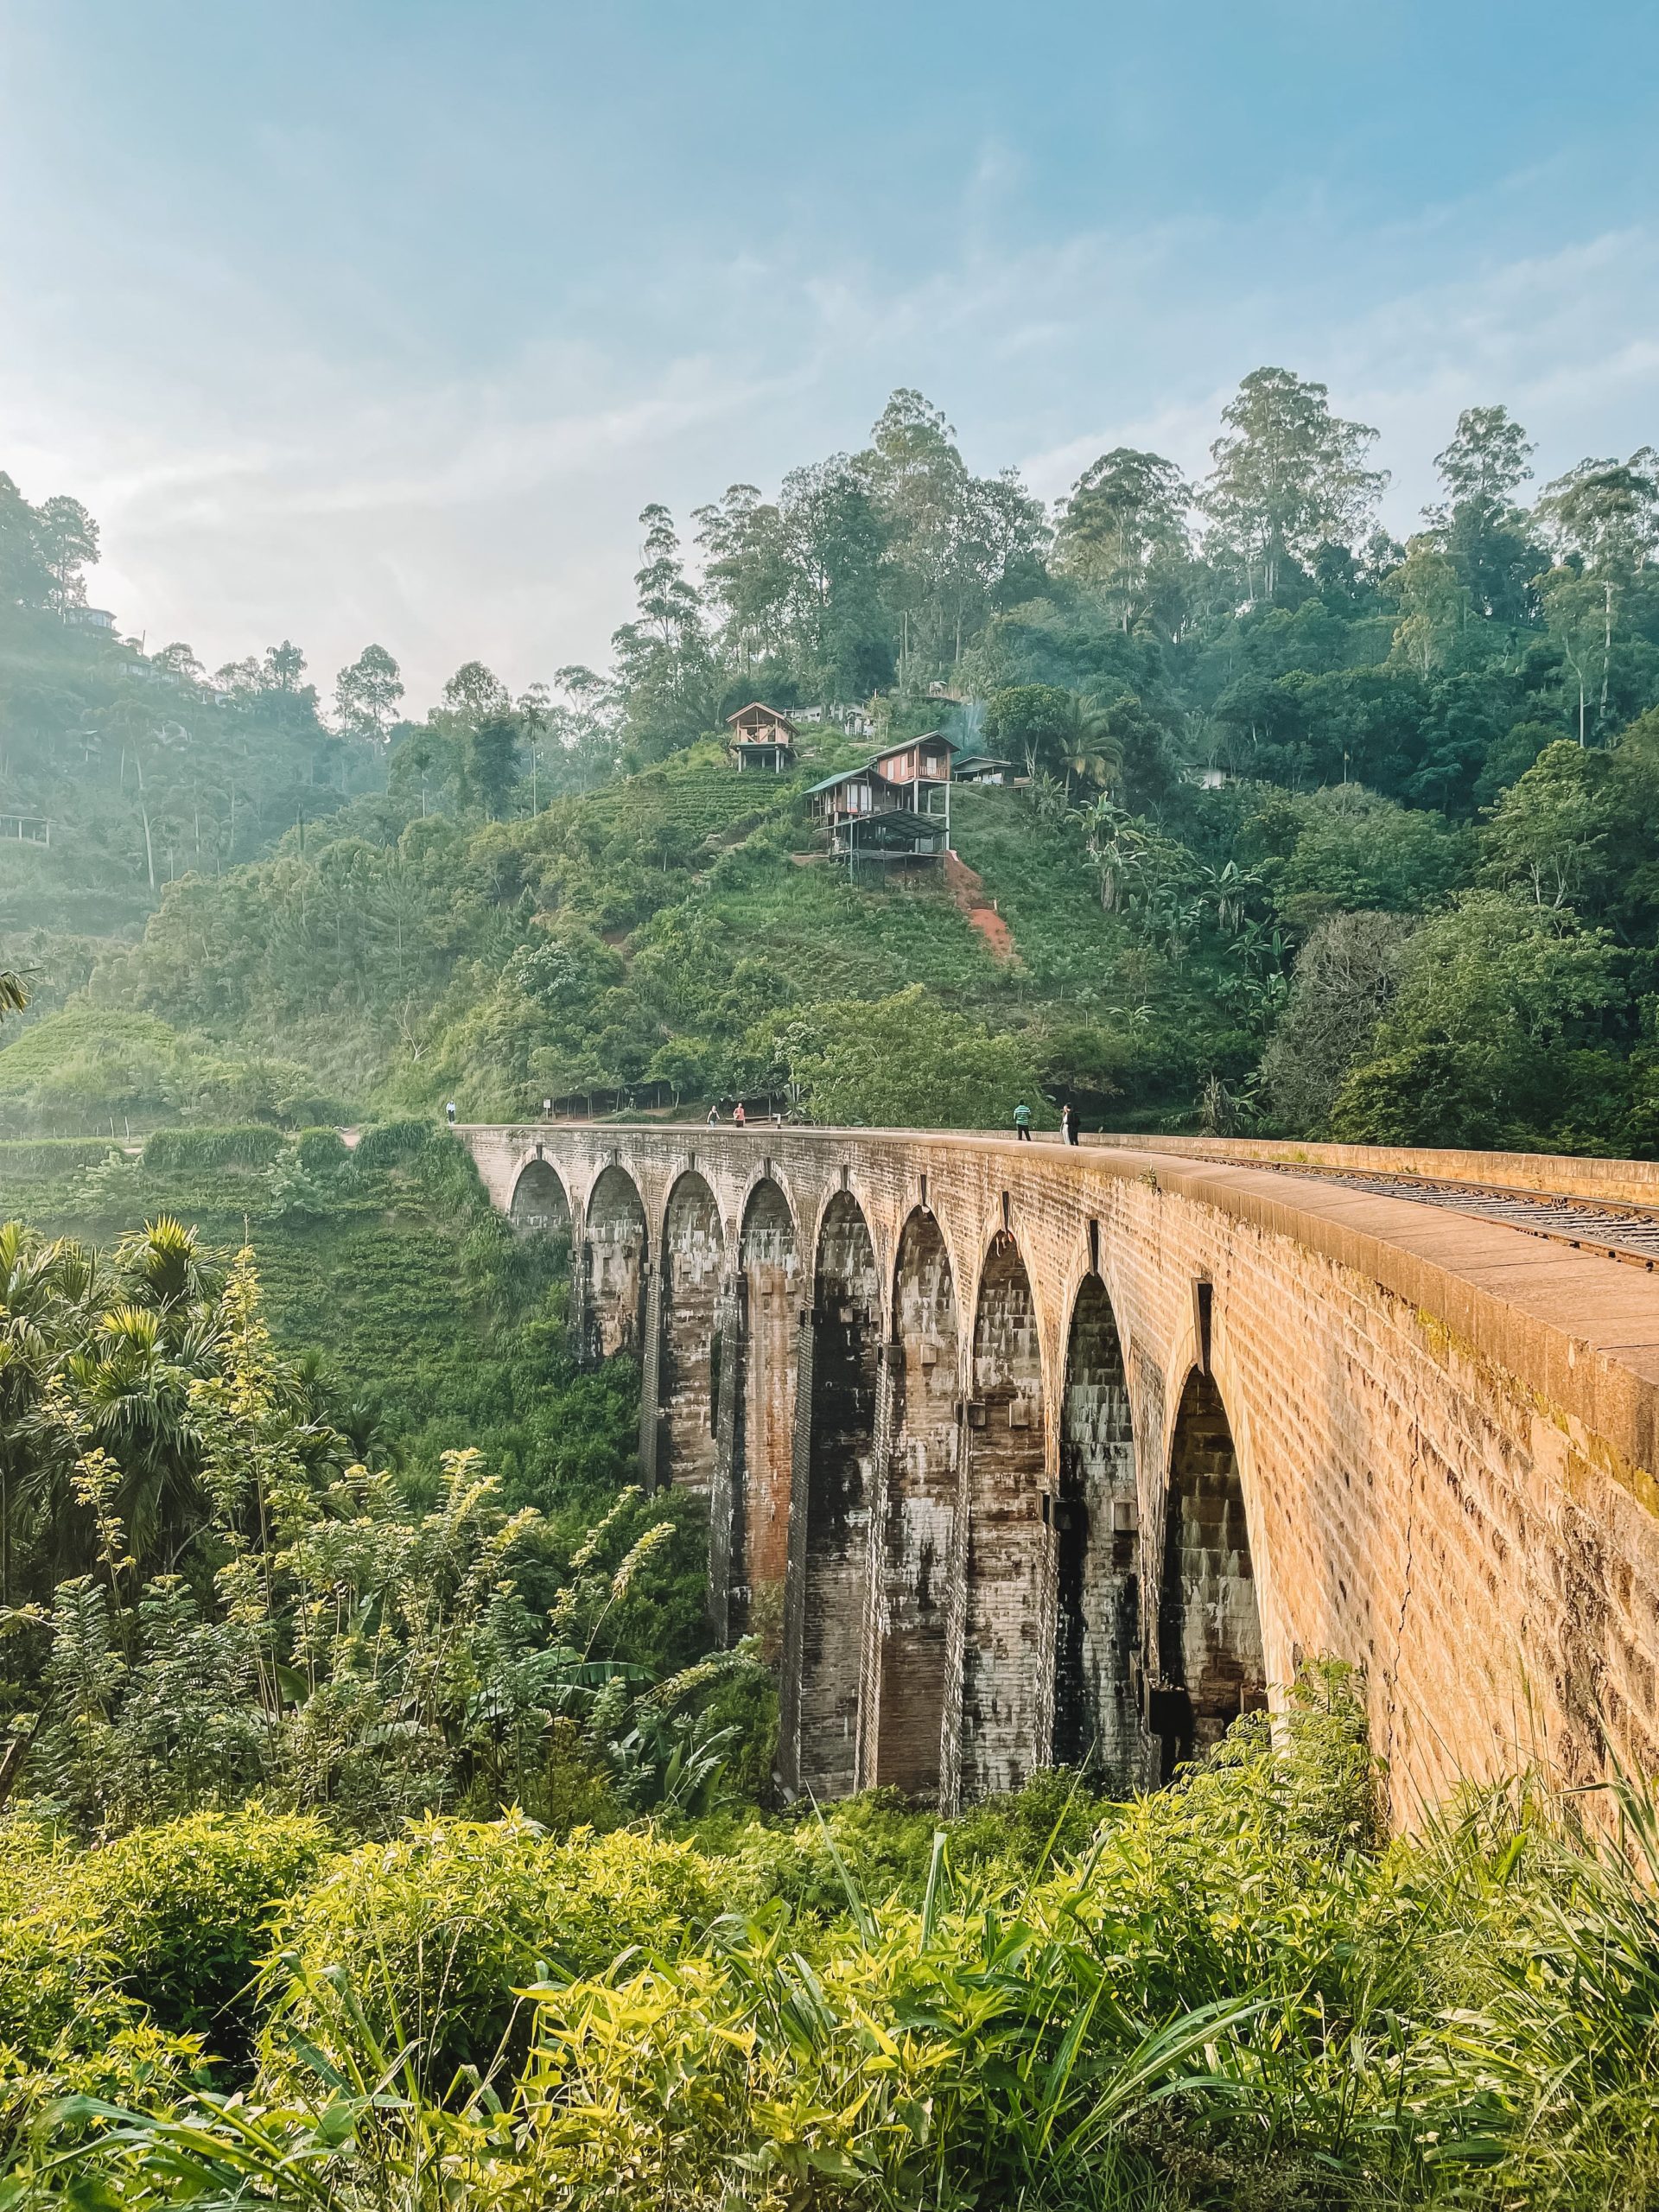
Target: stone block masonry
(1019,1454)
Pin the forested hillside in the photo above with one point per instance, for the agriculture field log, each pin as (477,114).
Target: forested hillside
(1317,833)
(376,1826)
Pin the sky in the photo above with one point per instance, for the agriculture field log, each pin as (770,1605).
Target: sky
(358,320)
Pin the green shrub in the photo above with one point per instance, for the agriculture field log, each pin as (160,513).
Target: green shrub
(393,1144)
(57,1973)
(436,1930)
(120,1967)
(322,1150)
(184,1909)
(252,1145)
(50,1155)
(312,1109)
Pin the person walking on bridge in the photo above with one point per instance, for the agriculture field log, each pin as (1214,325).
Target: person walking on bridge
(1069,1122)
(1022,1123)
(740,1119)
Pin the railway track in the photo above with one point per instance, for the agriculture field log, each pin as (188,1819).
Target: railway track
(1628,1234)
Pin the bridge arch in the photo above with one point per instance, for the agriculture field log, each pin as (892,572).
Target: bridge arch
(1444,1419)
(1211,1660)
(914,1547)
(1097,1544)
(690,1265)
(845,1328)
(540,1205)
(1005,1722)
(750,1538)
(615,1253)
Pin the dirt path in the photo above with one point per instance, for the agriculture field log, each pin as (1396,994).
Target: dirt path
(968,891)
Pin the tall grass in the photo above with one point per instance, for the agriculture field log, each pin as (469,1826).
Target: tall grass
(1235,1993)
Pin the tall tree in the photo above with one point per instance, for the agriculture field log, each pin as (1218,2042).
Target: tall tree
(1433,605)
(474,690)
(917,480)
(25,579)
(1478,526)
(366,693)
(1288,476)
(67,538)
(836,546)
(1603,518)
(1125,519)
(952,538)
(1488,459)
(492,760)
(747,573)
(284,665)
(664,657)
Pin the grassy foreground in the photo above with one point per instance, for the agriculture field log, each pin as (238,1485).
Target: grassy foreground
(1234,1993)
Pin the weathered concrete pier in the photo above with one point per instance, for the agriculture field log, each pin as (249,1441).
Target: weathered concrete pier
(1014,1452)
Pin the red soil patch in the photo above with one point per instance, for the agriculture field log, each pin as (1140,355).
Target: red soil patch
(968,891)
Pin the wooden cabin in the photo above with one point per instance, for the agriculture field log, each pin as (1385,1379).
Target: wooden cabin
(979,768)
(920,766)
(761,738)
(896,808)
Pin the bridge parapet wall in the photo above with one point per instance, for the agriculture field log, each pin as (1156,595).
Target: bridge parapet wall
(1445,1433)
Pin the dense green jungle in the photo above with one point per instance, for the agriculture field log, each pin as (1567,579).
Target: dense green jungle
(1318,833)
(378,1827)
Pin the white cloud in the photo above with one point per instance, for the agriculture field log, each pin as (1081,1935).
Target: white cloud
(296,491)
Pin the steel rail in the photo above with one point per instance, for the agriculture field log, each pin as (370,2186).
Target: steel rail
(1618,1231)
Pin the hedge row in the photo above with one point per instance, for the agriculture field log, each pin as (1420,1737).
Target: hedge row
(51,1156)
(253,1145)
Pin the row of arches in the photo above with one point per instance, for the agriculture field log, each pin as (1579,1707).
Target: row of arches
(949,1611)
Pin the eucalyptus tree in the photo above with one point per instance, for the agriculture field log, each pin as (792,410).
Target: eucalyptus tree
(665,658)
(843,624)
(953,538)
(1478,525)
(1602,518)
(1124,527)
(66,537)
(367,693)
(748,574)
(1288,476)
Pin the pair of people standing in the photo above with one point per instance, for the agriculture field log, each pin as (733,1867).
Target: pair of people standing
(740,1119)
(1068,1123)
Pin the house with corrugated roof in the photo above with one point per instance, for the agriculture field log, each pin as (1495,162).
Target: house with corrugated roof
(761,738)
(895,809)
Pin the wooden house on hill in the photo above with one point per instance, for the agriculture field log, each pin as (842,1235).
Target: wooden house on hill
(921,766)
(894,810)
(761,738)
(979,768)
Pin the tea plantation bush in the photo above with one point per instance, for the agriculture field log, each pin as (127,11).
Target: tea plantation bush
(436,1930)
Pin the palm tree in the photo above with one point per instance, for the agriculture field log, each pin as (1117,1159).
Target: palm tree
(133,1389)
(45,1292)
(163,1265)
(1093,752)
(13,993)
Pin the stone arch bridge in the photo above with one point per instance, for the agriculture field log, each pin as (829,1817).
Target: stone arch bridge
(1016,1453)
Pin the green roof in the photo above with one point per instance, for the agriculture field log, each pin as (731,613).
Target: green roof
(846,776)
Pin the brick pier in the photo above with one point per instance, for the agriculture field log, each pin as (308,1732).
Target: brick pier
(1014,1453)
